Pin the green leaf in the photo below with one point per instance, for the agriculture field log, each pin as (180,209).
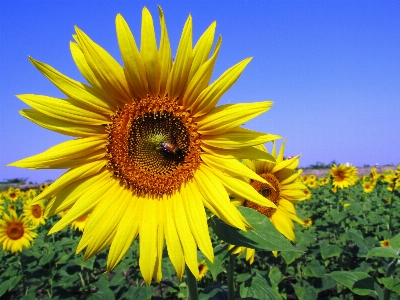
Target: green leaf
(220,255)
(9,284)
(314,269)
(359,283)
(392,284)
(328,250)
(139,293)
(103,294)
(263,237)
(258,288)
(306,292)
(395,242)
(290,257)
(383,252)
(242,277)
(275,276)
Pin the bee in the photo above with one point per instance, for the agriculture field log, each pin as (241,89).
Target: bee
(171,146)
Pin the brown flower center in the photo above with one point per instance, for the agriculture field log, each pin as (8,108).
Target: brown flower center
(36,211)
(15,231)
(339,175)
(270,191)
(82,219)
(153,146)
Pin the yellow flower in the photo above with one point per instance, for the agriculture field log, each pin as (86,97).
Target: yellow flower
(79,223)
(283,187)
(15,233)
(343,176)
(368,187)
(11,207)
(308,193)
(307,222)
(13,194)
(152,148)
(250,253)
(384,243)
(203,268)
(34,213)
(323,181)
(312,183)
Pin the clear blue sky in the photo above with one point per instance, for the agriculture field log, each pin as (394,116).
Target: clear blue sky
(331,67)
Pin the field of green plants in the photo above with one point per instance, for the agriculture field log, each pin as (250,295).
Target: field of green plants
(348,248)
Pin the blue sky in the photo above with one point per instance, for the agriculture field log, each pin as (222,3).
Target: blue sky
(331,67)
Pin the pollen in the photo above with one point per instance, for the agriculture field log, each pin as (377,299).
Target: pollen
(153,146)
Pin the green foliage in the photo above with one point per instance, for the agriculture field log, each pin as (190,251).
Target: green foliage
(338,257)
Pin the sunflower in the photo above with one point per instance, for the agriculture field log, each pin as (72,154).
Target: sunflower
(312,183)
(203,269)
(152,148)
(15,233)
(343,176)
(368,186)
(308,193)
(239,250)
(323,181)
(283,187)
(79,223)
(13,194)
(384,243)
(34,213)
(307,222)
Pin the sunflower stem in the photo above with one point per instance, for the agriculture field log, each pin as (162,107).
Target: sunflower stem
(22,272)
(389,272)
(192,284)
(231,276)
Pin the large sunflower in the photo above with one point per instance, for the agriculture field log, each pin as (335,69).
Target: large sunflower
(15,232)
(152,148)
(343,176)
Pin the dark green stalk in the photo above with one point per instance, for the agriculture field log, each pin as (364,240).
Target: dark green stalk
(231,276)
(389,272)
(192,284)
(22,272)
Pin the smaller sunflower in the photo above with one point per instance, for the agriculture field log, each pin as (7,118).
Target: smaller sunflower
(203,269)
(323,181)
(307,222)
(368,187)
(343,176)
(34,213)
(15,232)
(250,253)
(312,183)
(12,207)
(308,193)
(384,243)
(79,224)
(13,194)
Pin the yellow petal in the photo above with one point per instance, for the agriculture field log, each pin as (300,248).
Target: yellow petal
(64,110)
(61,152)
(185,235)
(238,138)
(84,94)
(149,53)
(63,127)
(244,153)
(181,66)
(108,71)
(84,68)
(148,238)
(84,171)
(230,166)
(197,219)
(283,224)
(201,79)
(216,198)
(211,95)
(165,55)
(242,189)
(135,70)
(226,117)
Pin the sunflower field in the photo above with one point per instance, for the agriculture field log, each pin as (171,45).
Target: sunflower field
(347,248)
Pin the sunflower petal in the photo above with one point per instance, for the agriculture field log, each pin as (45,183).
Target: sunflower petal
(216,199)
(61,152)
(63,127)
(238,138)
(63,110)
(211,95)
(165,54)
(108,71)
(242,189)
(74,89)
(135,70)
(231,166)
(242,153)
(183,61)
(283,223)
(127,231)
(149,53)
(226,117)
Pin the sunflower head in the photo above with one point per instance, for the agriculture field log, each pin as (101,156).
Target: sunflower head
(343,176)
(15,233)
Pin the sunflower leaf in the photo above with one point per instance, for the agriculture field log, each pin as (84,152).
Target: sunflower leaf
(263,237)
